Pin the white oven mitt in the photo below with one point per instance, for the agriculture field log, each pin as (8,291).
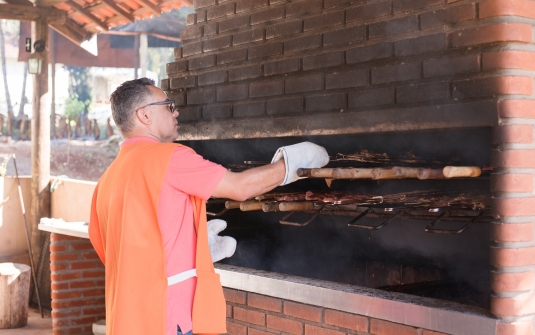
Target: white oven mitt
(300,155)
(220,246)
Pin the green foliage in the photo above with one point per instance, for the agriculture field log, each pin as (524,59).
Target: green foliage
(74,107)
(79,85)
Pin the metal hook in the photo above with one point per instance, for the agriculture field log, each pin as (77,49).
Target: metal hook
(445,214)
(390,219)
(290,223)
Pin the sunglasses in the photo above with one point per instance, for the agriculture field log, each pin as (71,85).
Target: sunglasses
(170,104)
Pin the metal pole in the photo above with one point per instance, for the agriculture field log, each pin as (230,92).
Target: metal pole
(28,238)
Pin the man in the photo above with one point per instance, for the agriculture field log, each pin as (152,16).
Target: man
(148,218)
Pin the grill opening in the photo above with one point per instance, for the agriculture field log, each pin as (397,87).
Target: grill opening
(385,245)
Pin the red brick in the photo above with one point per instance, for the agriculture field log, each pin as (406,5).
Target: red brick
(509,59)
(94,311)
(192,49)
(517,108)
(92,274)
(54,267)
(200,96)
(281,67)
(82,284)
(346,320)
(82,265)
(285,325)
(191,33)
(203,3)
(59,304)
(396,26)
(515,328)
(368,11)
(236,329)
(60,238)
(212,112)
(380,97)
(263,302)
(243,73)
(347,35)
(176,67)
(216,43)
(201,62)
(285,106)
(346,79)
(177,54)
(323,20)
(58,248)
(267,15)
(380,327)
(484,87)
(64,277)
(182,82)
(304,84)
(407,5)
(252,331)
(513,206)
(220,11)
(265,88)
(323,60)
(86,302)
(248,36)
(333,3)
(234,23)
(513,158)
(326,102)
(249,109)
(63,257)
(512,256)
(502,32)
(394,73)
(59,286)
(513,282)
(229,311)
(247,5)
(302,311)
(420,45)
(284,29)
(369,53)
(210,78)
(422,92)
(232,92)
(210,29)
(231,56)
(513,232)
(430,332)
(249,316)
(265,50)
(84,321)
(94,292)
(522,304)
(66,295)
(450,15)
(518,133)
(302,7)
(451,66)
(191,19)
(492,8)
(313,330)
(511,183)
(164,84)
(65,313)
(302,43)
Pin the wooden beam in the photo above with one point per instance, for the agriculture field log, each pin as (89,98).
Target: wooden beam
(72,31)
(29,13)
(146,3)
(87,14)
(119,11)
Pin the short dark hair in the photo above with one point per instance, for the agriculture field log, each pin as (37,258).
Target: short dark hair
(128,96)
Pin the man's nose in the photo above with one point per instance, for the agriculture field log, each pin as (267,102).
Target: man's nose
(175,113)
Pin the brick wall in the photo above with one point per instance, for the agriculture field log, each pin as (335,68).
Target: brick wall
(254,314)
(77,285)
(261,60)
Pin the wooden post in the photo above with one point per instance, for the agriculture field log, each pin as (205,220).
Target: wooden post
(40,130)
(143,54)
(52,49)
(136,53)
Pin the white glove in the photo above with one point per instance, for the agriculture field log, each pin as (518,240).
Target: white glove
(300,155)
(220,246)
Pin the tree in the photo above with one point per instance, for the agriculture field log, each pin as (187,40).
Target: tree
(4,72)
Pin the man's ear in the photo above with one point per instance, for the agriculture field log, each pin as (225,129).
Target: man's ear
(143,115)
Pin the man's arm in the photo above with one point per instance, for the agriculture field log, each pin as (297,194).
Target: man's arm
(241,186)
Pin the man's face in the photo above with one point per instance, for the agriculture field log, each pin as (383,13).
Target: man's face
(165,123)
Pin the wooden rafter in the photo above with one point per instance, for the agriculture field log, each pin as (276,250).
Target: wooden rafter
(29,13)
(119,11)
(87,14)
(146,3)
(71,31)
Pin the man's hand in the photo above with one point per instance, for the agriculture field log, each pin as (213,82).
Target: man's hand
(300,155)
(220,246)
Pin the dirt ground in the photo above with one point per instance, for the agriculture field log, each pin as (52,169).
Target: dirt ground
(85,160)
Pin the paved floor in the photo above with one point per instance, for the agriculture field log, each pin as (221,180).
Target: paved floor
(36,325)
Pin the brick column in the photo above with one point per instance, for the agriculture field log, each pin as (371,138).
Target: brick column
(513,243)
(77,285)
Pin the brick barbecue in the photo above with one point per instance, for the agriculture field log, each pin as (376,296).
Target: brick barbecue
(252,69)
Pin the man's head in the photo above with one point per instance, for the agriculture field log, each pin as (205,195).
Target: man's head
(136,111)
